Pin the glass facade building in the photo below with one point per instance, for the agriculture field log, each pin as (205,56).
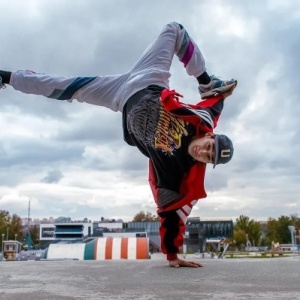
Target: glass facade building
(197,232)
(152,228)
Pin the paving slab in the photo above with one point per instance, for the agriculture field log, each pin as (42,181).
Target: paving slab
(272,278)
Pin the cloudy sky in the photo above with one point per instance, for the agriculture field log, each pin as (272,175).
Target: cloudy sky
(71,160)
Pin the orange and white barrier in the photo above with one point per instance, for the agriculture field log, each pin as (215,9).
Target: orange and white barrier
(105,248)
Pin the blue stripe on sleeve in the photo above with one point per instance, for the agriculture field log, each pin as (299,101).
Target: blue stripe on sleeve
(78,83)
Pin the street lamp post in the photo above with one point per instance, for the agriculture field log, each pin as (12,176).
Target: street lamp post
(292,230)
(186,236)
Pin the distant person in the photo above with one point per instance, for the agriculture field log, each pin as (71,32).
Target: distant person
(177,138)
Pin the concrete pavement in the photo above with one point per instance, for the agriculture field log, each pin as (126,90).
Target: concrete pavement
(273,278)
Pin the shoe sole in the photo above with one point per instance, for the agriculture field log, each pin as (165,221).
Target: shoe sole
(219,90)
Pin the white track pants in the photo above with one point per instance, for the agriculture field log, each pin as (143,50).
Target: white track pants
(114,90)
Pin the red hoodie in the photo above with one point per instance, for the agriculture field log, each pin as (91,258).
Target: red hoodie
(204,117)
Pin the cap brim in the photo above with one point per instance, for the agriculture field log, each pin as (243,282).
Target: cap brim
(216,150)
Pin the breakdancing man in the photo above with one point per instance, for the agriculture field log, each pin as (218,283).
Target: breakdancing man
(177,138)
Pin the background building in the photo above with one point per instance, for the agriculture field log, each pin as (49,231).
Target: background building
(64,232)
(198,233)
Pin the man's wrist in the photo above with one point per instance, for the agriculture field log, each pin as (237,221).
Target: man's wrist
(171,256)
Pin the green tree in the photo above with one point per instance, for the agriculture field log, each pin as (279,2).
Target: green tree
(145,217)
(251,228)
(242,223)
(4,223)
(254,232)
(35,235)
(239,236)
(295,221)
(15,227)
(283,231)
(272,231)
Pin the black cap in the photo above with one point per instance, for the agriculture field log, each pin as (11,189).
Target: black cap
(223,149)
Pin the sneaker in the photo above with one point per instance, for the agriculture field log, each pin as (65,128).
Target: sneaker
(2,85)
(215,87)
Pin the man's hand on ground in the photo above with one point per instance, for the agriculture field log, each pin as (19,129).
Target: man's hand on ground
(176,263)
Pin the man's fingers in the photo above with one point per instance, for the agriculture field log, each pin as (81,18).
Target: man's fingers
(183,263)
(193,264)
(196,264)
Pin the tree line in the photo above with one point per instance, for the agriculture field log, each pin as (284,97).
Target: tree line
(11,228)
(246,231)
(250,232)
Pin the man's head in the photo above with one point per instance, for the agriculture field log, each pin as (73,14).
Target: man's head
(211,148)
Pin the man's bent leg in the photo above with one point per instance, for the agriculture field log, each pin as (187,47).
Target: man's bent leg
(157,58)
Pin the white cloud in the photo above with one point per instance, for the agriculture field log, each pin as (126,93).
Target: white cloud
(70,159)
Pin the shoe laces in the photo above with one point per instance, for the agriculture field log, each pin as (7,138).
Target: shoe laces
(215,77)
